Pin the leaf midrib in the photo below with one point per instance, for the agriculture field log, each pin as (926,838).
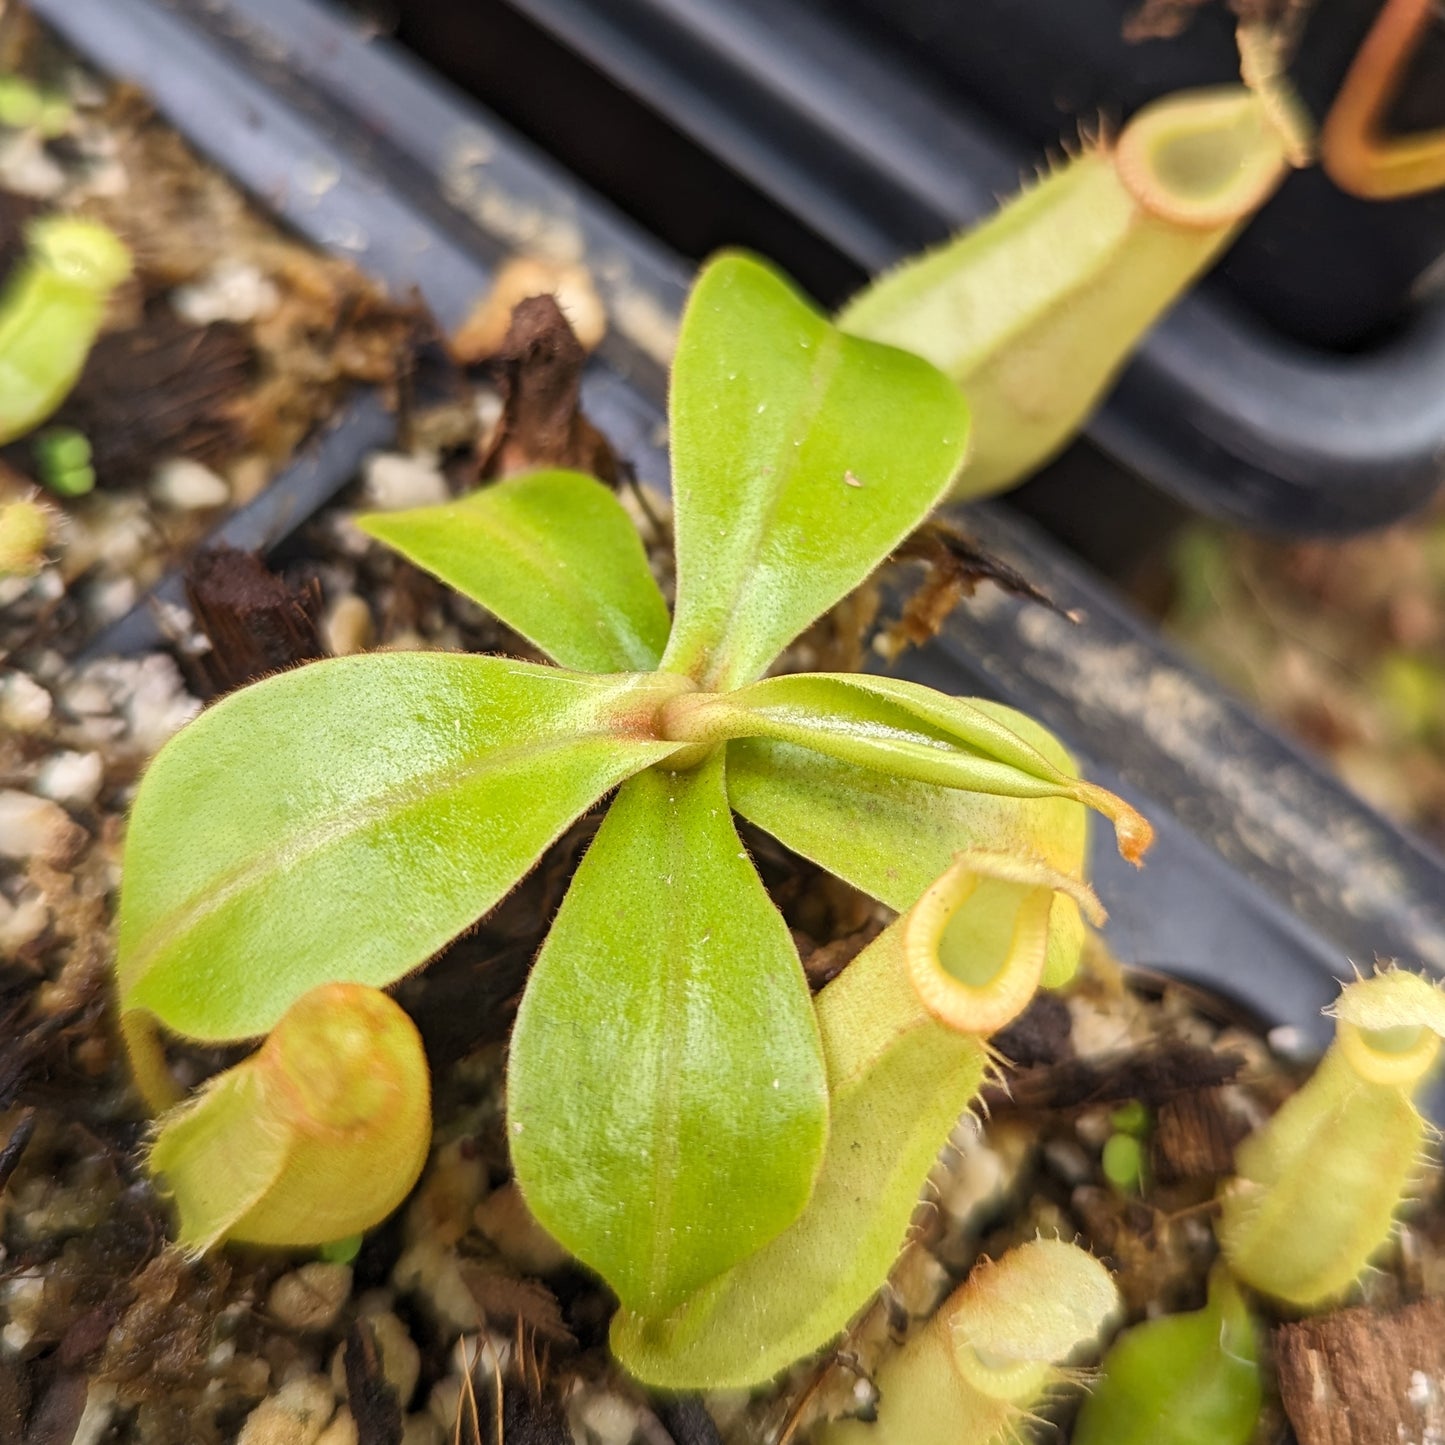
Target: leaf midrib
(829,354)
(667,1109)
(293,850)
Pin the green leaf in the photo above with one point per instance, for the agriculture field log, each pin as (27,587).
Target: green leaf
(666,1093)
(341,822)
(903,730)
(898,1082)
(1190,1379)
(554,555)
(800,458)
(892,837)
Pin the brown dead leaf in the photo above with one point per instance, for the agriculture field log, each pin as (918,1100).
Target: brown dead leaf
(955,564)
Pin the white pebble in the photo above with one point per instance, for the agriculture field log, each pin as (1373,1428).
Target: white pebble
(232,291)
(432,1272)
(88,696)
(95,732)
(295,1415)
(117,529)
(1068,1161)
(1093,1030)
(21,923)
(188,486)
(12,589)
(422,1430)
(445,1401)
(347,626)
(148,692)
(311,1297)
(21,1298)
(607,1419)
(70,778)
(110,598)
(393,482)
(1291,1043)
(400,1357)
(341,1431)
(503,1217)
(32,827)
(24,705)
(26,166)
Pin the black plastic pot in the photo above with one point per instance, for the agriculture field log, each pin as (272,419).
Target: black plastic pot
(1298,393)
(1268,879)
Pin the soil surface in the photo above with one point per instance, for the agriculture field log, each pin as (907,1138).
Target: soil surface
(229,344)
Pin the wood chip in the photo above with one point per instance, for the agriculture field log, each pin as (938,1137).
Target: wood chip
(1161,1071)
(1194,1137)
(162,388)
(1364,1377)
(256,622)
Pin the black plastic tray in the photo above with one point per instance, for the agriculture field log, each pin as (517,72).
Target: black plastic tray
(1268,879)
(880,154)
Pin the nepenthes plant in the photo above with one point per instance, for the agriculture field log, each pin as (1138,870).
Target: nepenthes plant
(50,314)
(678,1104)
(738,1159)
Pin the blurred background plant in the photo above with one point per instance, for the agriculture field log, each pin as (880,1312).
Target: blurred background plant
(1343,643)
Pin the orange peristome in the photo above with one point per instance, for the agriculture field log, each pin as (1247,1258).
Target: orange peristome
(317,1136)
(1204,159)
